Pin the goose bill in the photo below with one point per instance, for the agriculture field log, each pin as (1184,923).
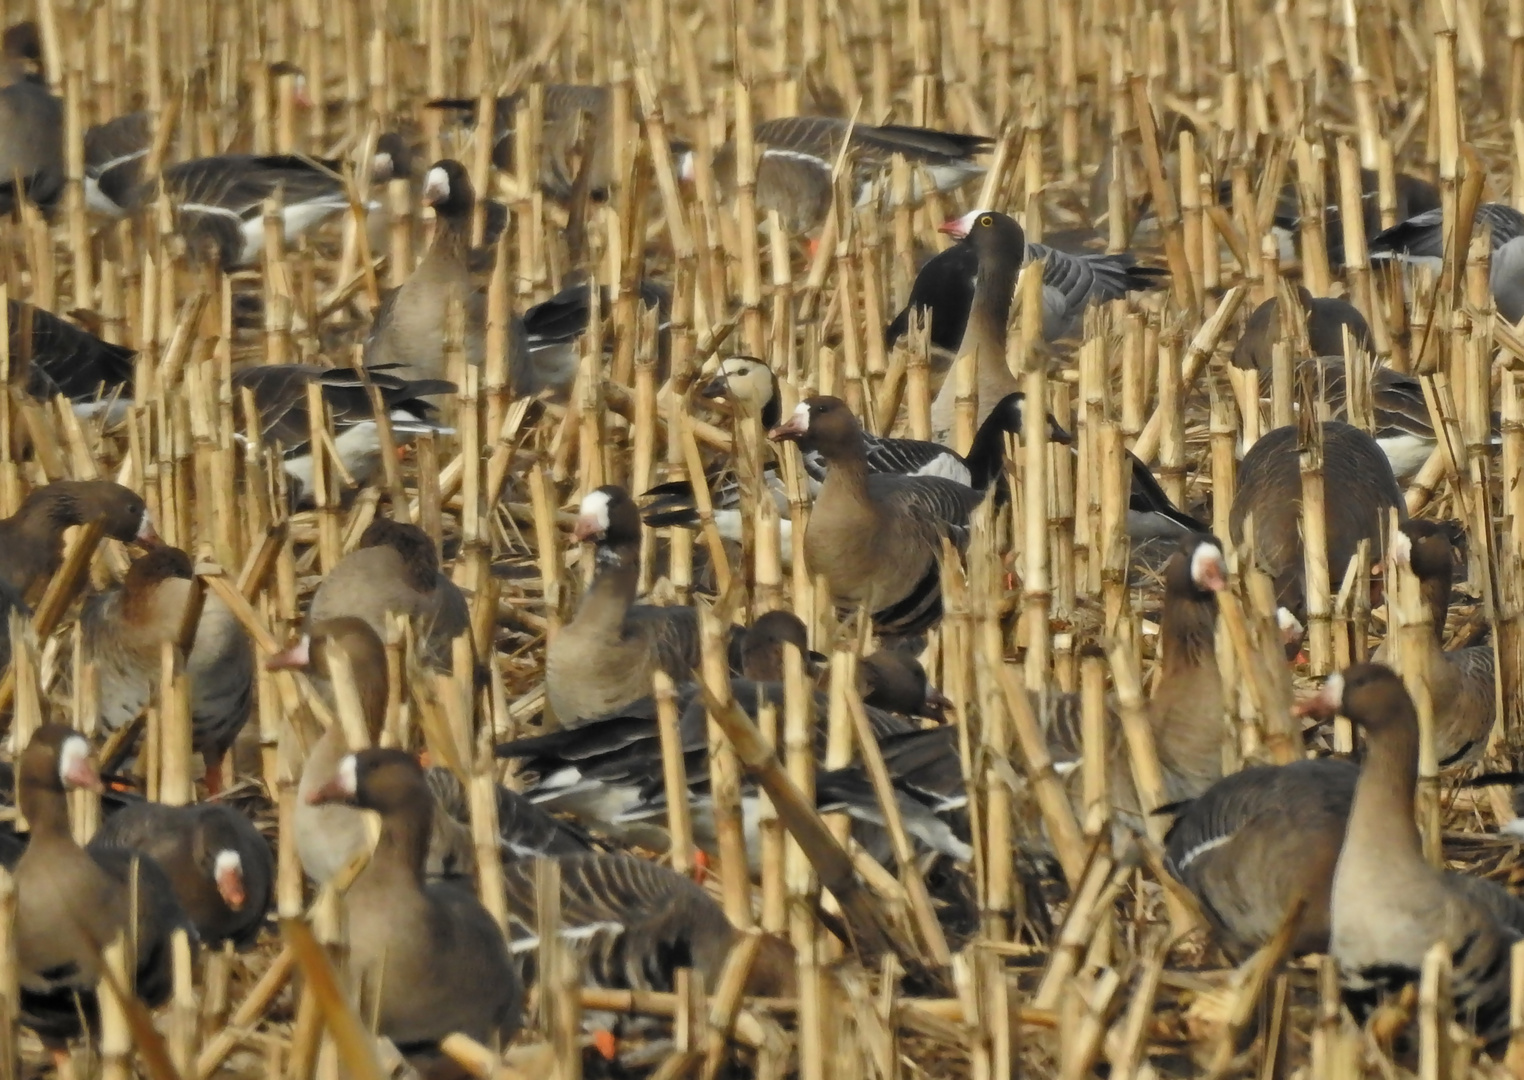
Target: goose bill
(792,428)
(296,657)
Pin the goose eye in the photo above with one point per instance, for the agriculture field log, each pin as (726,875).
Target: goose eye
(986,221)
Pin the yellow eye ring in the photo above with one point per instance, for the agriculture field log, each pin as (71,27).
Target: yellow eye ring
(986,221)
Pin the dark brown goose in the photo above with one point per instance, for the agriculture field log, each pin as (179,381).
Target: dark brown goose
(1358,487)
(429,959)
(1326,320)
(1462,681)
(877,537)
(220,867)
(395,570)
(31,123)
(125,629)
(31,539)
(71,902)
(61,358)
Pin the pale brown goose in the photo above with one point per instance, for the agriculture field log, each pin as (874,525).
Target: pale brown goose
(31,123)
(395,570)
(634,923)
(1358,487)
(31,539)
(1461,680)
(877,537)
(429,959)
(1390,906)
(999,245)
(70,902)
(602,660)
(125,629)
(220,867)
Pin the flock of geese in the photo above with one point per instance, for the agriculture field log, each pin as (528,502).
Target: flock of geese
(1331,834)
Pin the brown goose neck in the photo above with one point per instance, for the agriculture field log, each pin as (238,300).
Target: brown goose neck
(1435,590)
(404,843)
(46,809)
(1384,794)
(1188,630)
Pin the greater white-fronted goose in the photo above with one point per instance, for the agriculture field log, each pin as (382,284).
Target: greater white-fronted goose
(125,629)
(1327,319)
(1358,488)
(944,287)
(1461,680)
(395,570)
(633,923)
(1403,428)
(796,155)
(1259,841)
(1420,239)
(410,326)
(1507,279)
(31,123)
(524,830)
(395,159)
(896,682)
(285,423)
(553,328)
(70,902)
(1390,906)
(877,537)
(602,660)
(31,539)
(220,867)
(574,129)
(329,835)
(428,958)
(61,358)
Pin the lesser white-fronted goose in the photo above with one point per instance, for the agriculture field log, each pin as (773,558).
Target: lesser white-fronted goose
(220,867)
(1420,239)
(603,658)
(429,959)
(395,570)
(1461,680)
(575,124)
(944,287)
(125,629)
(329,835)
(553,328)
(280,396)
(70,902)
(1390,906)
(410,326)
(634,923)
(796,155)
(61,358)
(31,123)
(1358,488)
(877,537)
(31,539)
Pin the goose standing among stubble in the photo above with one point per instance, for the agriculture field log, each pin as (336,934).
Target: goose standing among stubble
(1358,490)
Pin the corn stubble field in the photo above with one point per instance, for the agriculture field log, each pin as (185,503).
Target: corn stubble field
(1060,946)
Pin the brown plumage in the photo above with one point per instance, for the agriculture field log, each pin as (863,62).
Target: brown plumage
(429,959)
(1358,488)
(395,570)
(1325,318)
(31,539)
(71,902)
(602,660)
(576,124)
(31,123)
(877,537)
(1462,680)
(220,867)
(634,922)
(125,629)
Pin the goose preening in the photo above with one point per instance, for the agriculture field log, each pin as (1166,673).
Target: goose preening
(1358,488)
(944,287)
(1389,905)
(31,123)
(125,630)
(877,537)
(72,901)
(429,959)
(796,155)
(285,421)
(1461,680)
(31,539)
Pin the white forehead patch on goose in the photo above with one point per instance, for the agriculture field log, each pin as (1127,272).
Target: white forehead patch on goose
(228,861)
(348,774)
(1402,549)
(74,752)
(1207,567)
(436,185)
(595,505)
(1333,689)
(802,414)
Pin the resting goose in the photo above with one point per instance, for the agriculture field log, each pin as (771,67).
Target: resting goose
(796,155)
(576,122)
(602,660)
(524,830)
(410,326)
(220,867)
(1358,487)
(429,959)
(1461,680)
(31,539)
(944,287)
(125,629)
(1390,906)
(61,358)
(1420,239)
(554,328)
(1327,319)
(395,570)
(285,422)
(877,537)
(31,123)
(71,902)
